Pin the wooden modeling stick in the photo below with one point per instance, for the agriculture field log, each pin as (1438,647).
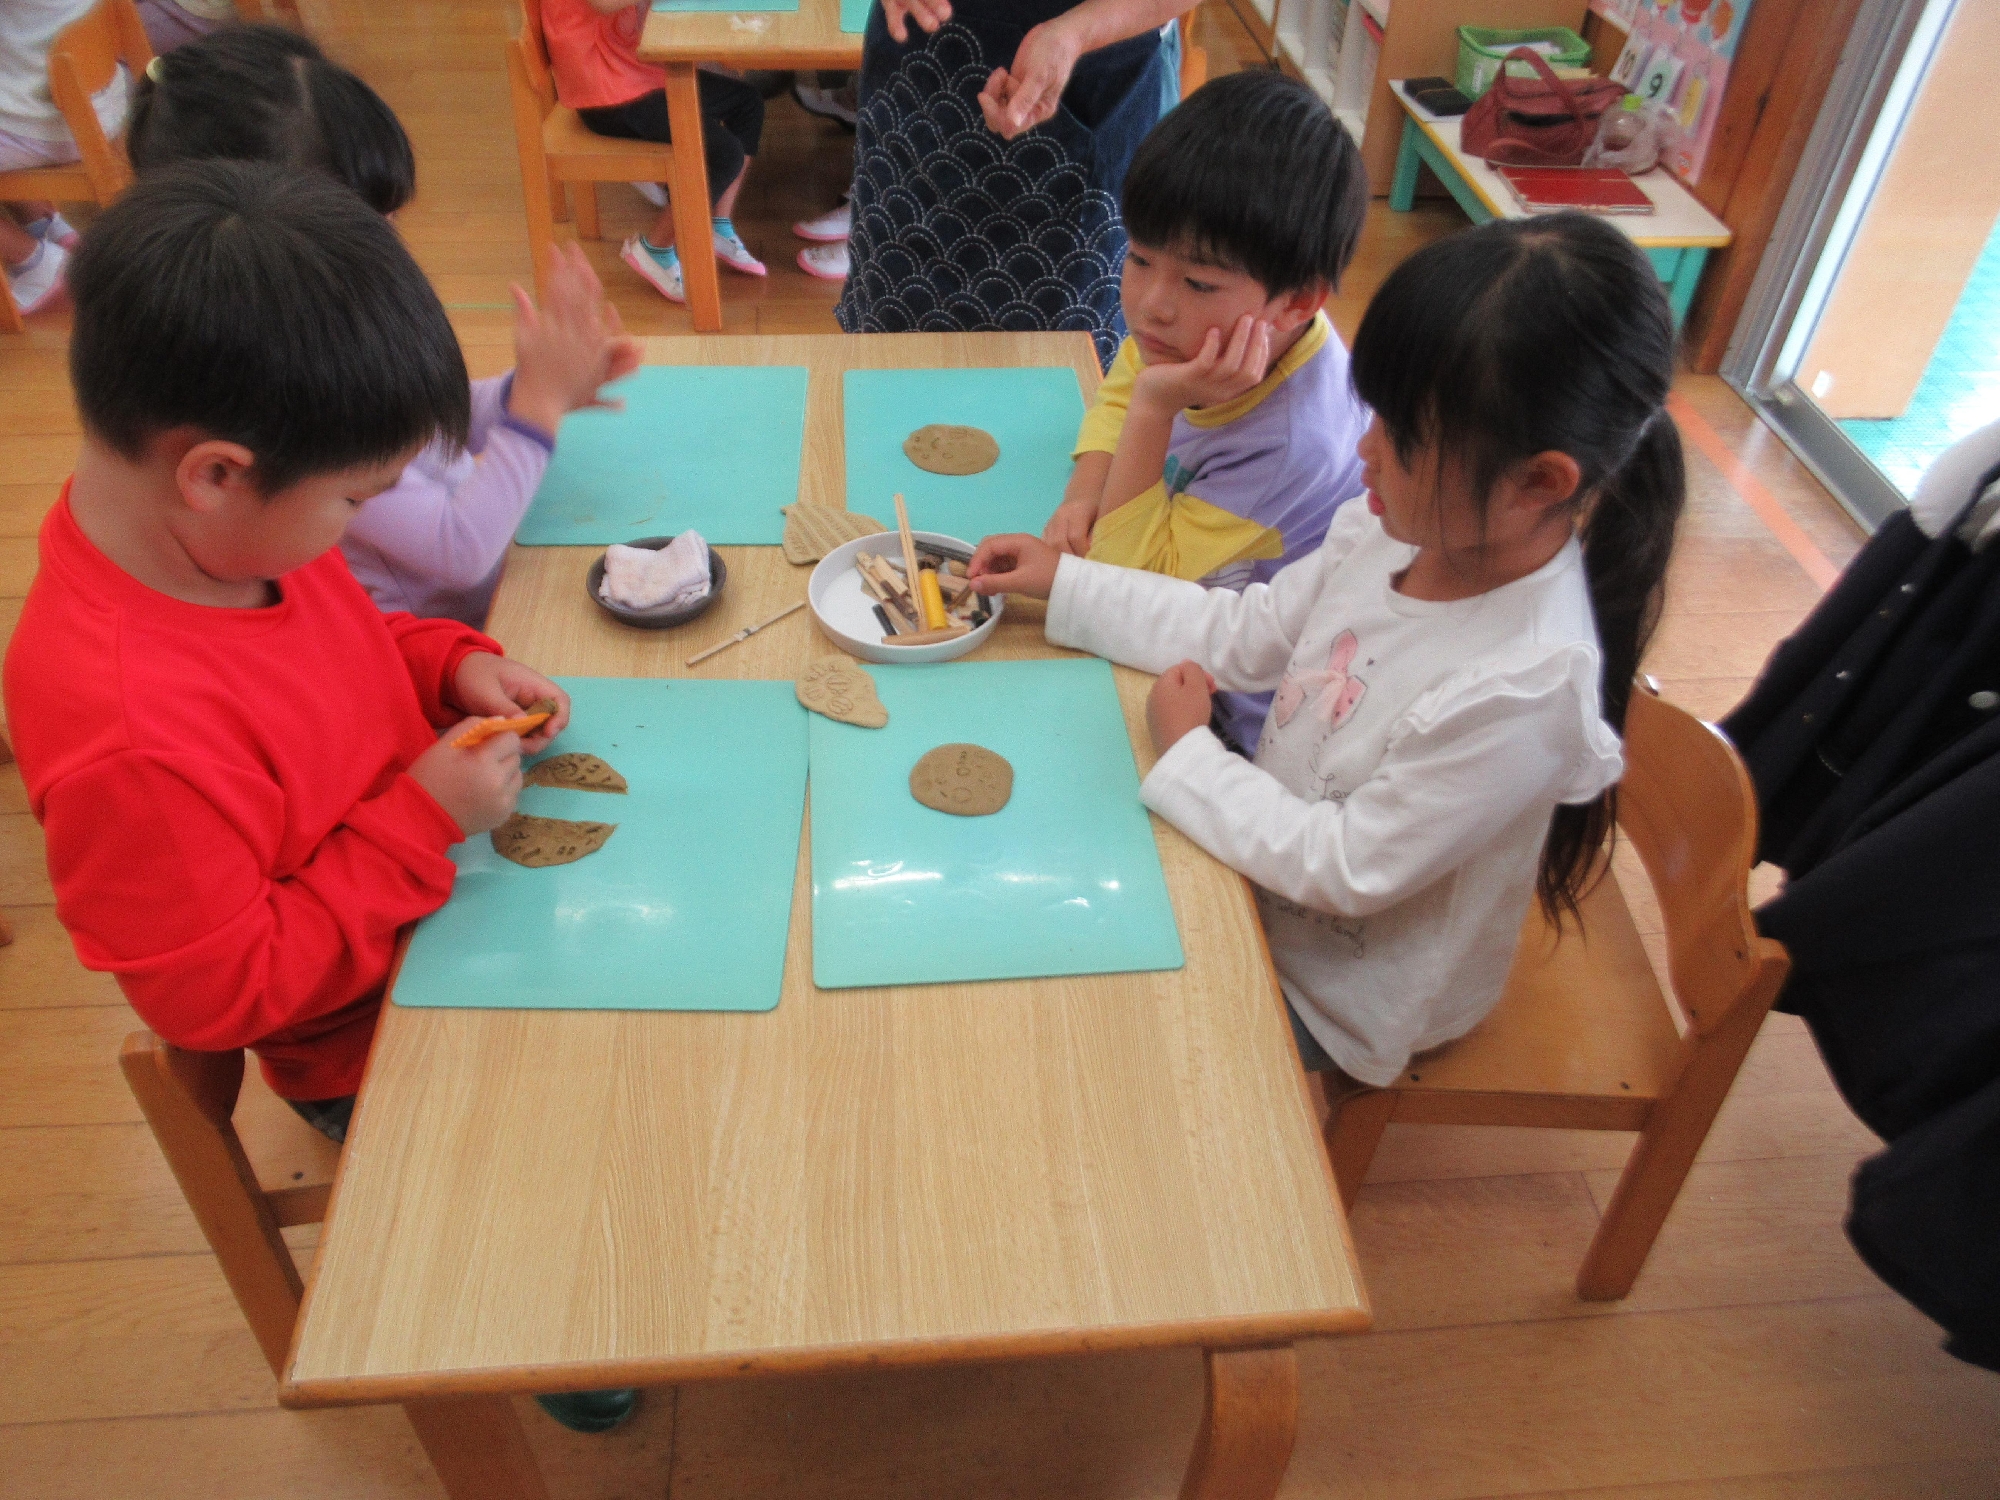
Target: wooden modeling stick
(927,637)
(909,547)
(744,634)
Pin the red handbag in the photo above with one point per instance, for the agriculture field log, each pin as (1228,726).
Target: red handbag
(1536,122)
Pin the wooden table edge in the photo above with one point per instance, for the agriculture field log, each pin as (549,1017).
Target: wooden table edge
(1677,242)
(1254,1331)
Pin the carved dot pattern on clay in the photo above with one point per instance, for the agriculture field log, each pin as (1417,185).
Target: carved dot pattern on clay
(969,781)
(836,687)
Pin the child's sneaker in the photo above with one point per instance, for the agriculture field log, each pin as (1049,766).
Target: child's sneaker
(829,104)
(591,1411)
(829,226)
(733,253)
(37,282)
(54,227)
(652,192)
(827,262)
(661,267)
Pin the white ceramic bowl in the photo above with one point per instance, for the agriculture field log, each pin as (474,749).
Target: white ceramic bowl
(845,612)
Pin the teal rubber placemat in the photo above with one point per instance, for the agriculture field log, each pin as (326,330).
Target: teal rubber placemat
(687,906)
(854,15)
(713,447)
(1033,414)
(1065,879)
(725,4)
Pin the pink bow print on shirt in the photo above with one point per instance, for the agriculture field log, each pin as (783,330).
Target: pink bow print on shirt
(1337,691)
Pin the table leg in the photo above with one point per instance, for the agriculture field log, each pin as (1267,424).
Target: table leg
(1248,1424)
(690,190)
(477,1447)
(1687,276)
(1403,184)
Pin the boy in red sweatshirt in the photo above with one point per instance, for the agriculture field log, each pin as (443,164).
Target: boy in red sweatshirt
(234,756)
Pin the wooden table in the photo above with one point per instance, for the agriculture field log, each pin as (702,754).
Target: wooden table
(551,1200)
(809,37)
(1676,236)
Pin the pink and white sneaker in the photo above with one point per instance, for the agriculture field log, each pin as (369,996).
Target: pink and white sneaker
(733,253)
(827,262)
(660,267)
(829,227)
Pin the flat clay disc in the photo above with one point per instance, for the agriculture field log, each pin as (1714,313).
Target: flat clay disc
(539,842)
(812,531)
(577,771)
(837,687)
(943,449)
(968,780)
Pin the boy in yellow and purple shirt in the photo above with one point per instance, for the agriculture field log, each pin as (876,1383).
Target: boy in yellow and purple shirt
(1223,436)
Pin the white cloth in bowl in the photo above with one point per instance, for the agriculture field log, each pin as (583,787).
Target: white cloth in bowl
(673,576)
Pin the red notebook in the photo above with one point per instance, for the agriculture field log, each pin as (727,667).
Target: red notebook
(1604,190)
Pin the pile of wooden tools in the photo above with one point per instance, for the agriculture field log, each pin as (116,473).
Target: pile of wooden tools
(927,599)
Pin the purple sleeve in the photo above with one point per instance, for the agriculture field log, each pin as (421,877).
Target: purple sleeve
(445,524)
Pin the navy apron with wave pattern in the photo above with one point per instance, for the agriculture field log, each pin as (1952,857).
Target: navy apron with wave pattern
(957,230)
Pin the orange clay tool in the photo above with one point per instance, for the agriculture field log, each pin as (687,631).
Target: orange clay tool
(543,710)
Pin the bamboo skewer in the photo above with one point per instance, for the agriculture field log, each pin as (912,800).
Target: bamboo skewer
(909,551)
(744,634)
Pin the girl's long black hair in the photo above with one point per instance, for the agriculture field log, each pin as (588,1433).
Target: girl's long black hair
(1525,336)
(262,93)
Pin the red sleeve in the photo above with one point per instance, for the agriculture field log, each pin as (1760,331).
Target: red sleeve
(162,873)
(432,650)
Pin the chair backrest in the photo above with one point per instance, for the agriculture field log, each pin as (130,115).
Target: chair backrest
(534,55)
(1194,60)
(82,60)
(1688,807)
(189,1099)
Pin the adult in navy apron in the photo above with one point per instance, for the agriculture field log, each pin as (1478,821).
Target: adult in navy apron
(956,226)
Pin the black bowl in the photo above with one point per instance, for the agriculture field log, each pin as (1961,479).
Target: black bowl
(660,617)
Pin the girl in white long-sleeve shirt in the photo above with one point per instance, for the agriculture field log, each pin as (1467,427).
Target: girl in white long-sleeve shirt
(1452,667)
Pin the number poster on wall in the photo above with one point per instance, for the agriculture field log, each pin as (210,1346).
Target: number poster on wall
(1678,53)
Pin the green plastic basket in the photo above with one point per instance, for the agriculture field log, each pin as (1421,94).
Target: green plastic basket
(1481,50)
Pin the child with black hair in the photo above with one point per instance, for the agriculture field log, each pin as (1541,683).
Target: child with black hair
(234,755)
(433,544)
(1222,437)
(1452,666)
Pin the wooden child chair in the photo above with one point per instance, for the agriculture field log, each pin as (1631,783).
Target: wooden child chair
(1583,1038)
(558,150)
(190,1100)
(81,62)
(263,10)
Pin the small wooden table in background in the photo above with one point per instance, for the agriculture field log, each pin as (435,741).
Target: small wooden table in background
(562,1200)
(809,37)
(1676,236)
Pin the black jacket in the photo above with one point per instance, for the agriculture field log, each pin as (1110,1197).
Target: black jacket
(1873,737)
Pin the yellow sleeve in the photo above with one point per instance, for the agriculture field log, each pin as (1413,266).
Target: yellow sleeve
(1106,417)
(1182,537)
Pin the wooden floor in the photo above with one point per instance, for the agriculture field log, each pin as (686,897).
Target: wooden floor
(1757,1357)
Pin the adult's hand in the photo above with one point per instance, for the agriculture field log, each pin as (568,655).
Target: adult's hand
(1017,99)
(928,14)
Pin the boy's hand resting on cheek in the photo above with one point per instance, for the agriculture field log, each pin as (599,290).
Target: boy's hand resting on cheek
(1014,563)
(1179,703)
(479,786)
(1070,527)
(497,687)
(569,347)
(1220,371)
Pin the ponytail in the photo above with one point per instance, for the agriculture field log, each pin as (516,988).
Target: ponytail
(1528,336)
(1628,537)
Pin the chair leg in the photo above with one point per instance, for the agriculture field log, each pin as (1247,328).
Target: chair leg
(220,1186)
(1352,1135)
(585,194)
(10,310)
(690,198)
(558,200)
(537,182)
(1667,1146)
(6,930)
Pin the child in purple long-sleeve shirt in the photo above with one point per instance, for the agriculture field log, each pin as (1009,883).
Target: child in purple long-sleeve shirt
(432,544)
